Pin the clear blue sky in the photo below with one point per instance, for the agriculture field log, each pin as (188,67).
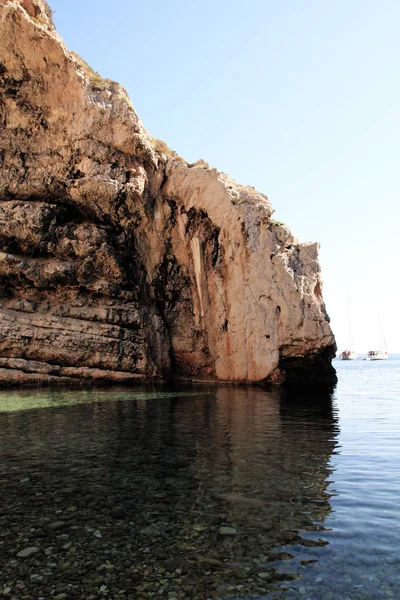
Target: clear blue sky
(299,99)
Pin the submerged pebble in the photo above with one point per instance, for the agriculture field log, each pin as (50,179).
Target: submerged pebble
(27,552)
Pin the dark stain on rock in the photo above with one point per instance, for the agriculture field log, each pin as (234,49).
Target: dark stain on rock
(199,224)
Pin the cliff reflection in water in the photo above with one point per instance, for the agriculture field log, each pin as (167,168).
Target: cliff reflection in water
(184,491)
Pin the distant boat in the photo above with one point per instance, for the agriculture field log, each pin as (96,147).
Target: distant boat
(349,354)
(377,355)
(382,353)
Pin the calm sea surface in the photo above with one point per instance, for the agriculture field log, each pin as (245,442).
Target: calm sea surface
(203,492)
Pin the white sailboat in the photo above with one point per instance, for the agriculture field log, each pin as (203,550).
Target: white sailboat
(382,353)
(377,355)
(348,353)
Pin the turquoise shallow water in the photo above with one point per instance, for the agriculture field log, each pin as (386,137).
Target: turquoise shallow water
(203,491)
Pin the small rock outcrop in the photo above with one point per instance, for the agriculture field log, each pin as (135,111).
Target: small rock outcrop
(118,260)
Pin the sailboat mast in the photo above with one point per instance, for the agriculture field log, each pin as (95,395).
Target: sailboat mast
(384,341)
(381,336)
(350,332)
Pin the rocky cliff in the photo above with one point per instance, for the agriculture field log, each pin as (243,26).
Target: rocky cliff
(118,260)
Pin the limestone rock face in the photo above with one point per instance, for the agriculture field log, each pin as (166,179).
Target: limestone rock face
(119,261)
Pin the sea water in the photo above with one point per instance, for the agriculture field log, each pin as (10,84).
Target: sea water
(203,491)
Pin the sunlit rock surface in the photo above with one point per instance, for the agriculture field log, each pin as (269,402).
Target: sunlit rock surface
(118,260)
